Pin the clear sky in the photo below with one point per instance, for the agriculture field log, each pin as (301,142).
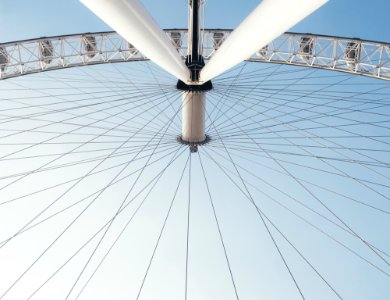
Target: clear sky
(352,271)
(20,19)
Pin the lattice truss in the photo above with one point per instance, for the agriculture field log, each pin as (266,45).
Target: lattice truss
(342,54)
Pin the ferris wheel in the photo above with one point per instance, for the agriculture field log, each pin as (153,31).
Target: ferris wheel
(195,163)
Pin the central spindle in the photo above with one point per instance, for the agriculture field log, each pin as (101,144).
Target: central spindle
(194,92)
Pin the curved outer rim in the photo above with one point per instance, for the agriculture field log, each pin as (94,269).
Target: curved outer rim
(349,55)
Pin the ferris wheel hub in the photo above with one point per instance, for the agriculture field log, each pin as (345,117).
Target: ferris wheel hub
(194,146)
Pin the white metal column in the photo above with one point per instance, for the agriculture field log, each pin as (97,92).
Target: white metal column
(193,117)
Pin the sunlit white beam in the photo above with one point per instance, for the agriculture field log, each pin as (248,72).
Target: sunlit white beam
(133,22)
(270,19)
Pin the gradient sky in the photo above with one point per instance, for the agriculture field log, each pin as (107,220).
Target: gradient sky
(25,19)
(22,19)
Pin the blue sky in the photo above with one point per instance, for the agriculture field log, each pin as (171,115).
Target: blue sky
(25,19)
(21,19)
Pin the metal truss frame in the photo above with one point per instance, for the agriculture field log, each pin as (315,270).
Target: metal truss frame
(367,58)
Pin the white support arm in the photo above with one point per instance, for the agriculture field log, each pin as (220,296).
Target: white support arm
(270,19)
(133,22)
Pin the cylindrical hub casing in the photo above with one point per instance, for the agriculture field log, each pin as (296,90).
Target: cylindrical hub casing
(193,117)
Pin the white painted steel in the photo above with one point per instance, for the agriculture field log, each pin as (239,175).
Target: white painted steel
(132,21)
(193,117)
(269,20)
